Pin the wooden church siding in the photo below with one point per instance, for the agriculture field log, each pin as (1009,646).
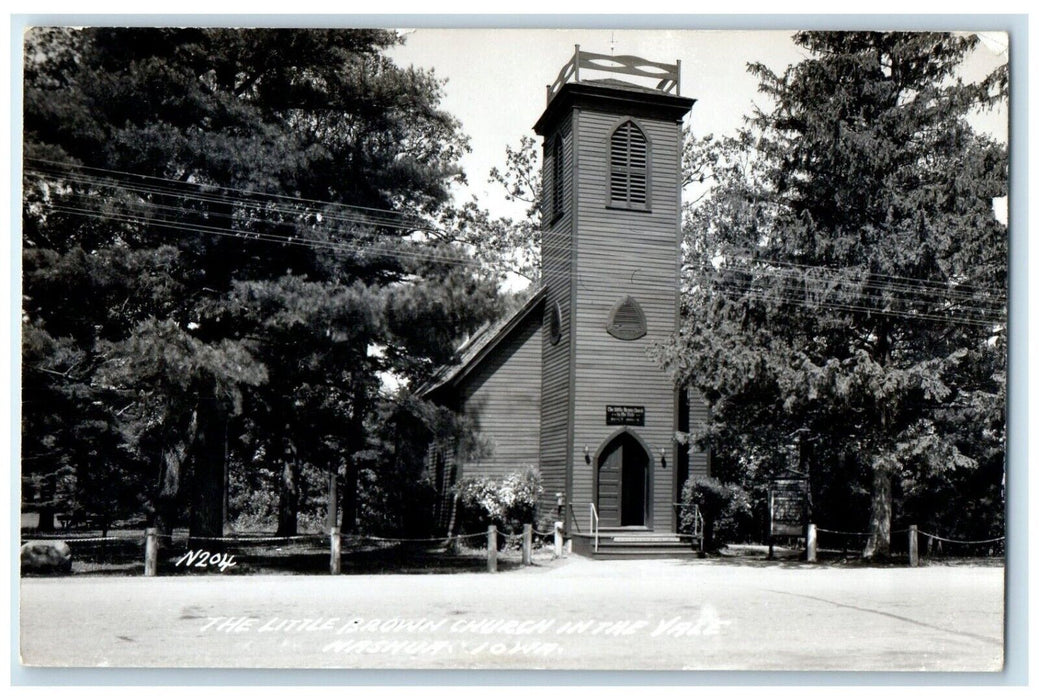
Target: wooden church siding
(699,464)
(442,470)
(625,252)
(557,240)
(612,273)
(502,398)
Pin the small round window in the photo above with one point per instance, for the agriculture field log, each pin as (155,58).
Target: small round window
(555,323)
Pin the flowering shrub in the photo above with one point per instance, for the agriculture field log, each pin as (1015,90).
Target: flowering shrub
(507,502)
(725,509)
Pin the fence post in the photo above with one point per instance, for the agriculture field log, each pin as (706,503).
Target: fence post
(811,544)
(336,563)
(151,552)
(492,548)
(528,536)
(914,552)
(558,528)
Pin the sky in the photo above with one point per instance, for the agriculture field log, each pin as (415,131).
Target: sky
(496,80)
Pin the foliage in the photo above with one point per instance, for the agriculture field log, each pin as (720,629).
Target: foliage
(845,274)
(224,236)
(507,502)
(725,509)
(505,244)
(253,498)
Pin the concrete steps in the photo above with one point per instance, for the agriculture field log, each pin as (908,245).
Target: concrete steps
(624,543)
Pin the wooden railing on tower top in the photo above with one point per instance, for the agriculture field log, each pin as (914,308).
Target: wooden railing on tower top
(669,74)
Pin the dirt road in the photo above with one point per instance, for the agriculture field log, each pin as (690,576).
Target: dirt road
(581,614)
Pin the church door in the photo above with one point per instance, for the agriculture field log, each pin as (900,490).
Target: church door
(621,483)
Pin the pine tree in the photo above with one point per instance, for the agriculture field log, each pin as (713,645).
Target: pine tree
(845,277)
(219,228)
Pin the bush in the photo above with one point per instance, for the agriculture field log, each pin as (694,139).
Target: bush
(507,502)
(725,508)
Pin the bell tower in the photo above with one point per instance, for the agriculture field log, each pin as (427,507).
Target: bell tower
(611,213)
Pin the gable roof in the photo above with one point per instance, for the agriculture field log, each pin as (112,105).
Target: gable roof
(479,346)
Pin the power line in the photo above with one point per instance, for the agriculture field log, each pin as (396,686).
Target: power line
(149,206)
(901,291)
(738,294)
(819,296)
(920,291)
(361,218)
(257,236)
(432,257)
(180,183)
(908,284)
(827,297)
(867,279)
(749,255)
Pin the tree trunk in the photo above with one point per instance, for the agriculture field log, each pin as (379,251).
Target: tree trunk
(167,500)
(288,504)
(46,522)
(708,534)
(878,546)
(169,488)
(209,478)
(355,443)
(332,513)
(49,509)
(350,496)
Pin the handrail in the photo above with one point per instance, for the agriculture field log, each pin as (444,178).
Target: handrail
(698,524)
(593,524)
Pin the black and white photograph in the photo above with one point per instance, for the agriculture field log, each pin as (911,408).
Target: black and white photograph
(594,349)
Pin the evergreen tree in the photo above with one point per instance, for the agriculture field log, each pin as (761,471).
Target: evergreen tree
(845,277)
(224,226)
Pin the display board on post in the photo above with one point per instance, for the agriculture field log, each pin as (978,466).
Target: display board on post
(787,508)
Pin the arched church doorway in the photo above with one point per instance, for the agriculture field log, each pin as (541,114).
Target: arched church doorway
(622,482)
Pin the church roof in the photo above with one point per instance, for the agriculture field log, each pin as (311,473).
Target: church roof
(479,346)
(622,85)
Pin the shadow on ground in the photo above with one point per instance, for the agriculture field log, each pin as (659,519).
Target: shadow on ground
(756,556)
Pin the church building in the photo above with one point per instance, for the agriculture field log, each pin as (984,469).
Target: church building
(567,383)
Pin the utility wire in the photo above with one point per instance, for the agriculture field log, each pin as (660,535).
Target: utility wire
(348,217)
(734,292)
(749,255)
(793,295)
(867,281)
(145,208)
(737,295)
(70,167)
(264,237)
(393,218)
(904,292)
(920,291)
(417,224)
(876,294)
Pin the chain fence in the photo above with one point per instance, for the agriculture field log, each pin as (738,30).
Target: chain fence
(179,553)
(909,542)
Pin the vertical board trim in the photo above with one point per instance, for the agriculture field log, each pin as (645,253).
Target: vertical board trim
(575,130)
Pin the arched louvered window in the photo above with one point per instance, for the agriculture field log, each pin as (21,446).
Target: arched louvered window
(557,176)
(627,321)
(629,167)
